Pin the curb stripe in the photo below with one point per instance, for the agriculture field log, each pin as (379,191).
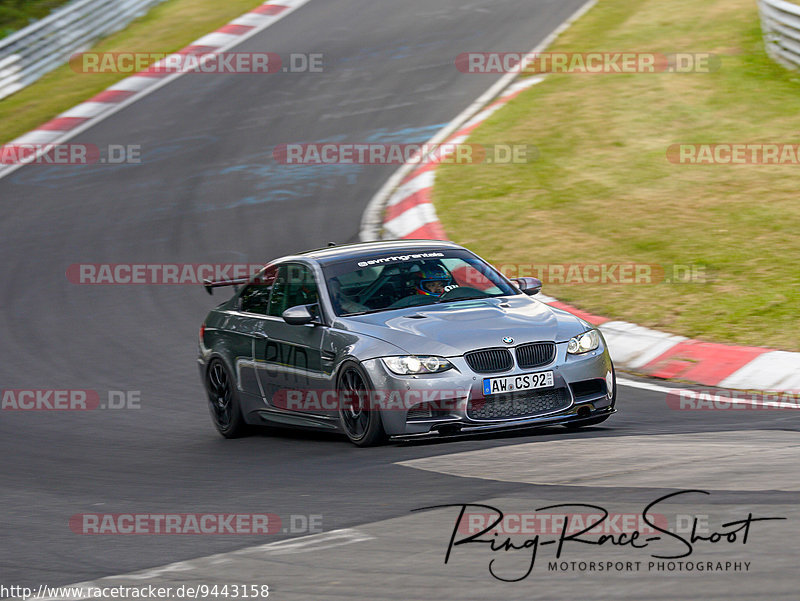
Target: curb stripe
(134,83)
(37,136)
(216,39)
(634,346)
(194,48)
(410,214)
(130,89)
(415,183)
(154,71)
(86,109)
(63,123)
(111,96)
(776,370)
(269,9)
(424,168)
(235,29)
(429,231)
(408,198)
(409,202)
(411,220)
(250,18)
(704,362)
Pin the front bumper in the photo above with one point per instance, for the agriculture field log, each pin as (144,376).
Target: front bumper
(458,429)
(581,380)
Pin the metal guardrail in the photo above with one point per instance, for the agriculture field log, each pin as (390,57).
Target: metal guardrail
(29,53)
(780,22)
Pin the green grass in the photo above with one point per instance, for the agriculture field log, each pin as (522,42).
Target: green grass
(16,14)
(165,28)
(602,189)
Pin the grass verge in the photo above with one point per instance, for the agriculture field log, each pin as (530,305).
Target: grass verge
(603,191)
(16,14)
(165,28)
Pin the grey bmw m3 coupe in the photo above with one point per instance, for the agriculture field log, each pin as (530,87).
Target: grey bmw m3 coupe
(398,339)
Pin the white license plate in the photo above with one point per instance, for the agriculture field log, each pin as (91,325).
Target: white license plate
(542,379)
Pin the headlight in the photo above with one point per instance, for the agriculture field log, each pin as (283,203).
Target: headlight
(583,343)
(413,364)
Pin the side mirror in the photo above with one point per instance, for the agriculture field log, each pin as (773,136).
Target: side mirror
(298,316)
(529,286)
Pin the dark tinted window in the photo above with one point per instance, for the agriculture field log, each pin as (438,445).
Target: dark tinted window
(382,283)
(255,296)
(295,285)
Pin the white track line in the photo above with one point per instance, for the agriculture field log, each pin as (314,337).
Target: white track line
(304,544)
(706,393)
(372,220)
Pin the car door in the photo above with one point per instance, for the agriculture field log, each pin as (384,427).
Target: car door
(292,358)
(245,329)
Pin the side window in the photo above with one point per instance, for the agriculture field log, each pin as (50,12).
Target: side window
(295,285)
(255,296)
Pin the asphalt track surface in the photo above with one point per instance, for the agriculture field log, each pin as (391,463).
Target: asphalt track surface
(208,190)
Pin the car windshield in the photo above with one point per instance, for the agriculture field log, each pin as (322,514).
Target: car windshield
(382,283)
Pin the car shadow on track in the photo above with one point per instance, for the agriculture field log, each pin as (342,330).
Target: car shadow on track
(512,436)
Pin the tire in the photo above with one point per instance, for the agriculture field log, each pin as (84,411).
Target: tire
(223,401)
(361,423)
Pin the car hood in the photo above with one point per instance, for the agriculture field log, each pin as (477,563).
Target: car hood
(451,329)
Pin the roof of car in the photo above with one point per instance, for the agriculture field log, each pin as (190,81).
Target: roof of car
(331,254)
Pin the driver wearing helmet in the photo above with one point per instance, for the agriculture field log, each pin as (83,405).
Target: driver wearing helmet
(432,280)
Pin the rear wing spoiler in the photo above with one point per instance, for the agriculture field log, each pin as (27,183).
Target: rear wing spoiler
(209,285)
